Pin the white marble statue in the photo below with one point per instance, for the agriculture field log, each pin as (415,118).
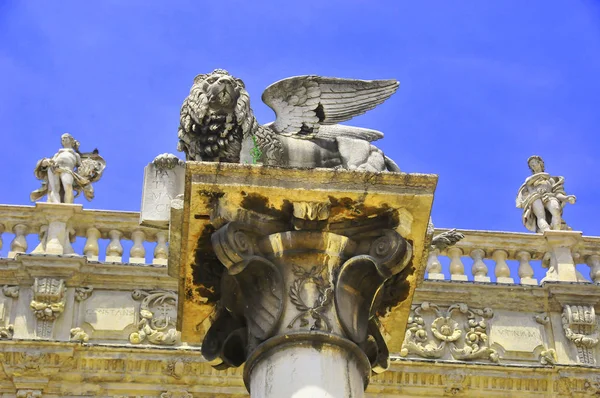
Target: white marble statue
(542,198)
(68,173)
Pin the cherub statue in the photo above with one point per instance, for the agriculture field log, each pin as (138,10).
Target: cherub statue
(542,198)
(216,119)
(68,173)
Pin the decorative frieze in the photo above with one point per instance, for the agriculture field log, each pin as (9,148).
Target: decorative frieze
(175,368)
(29,394)
(445,333)
(176,394)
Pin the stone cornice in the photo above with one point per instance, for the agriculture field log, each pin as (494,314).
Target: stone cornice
(77,271)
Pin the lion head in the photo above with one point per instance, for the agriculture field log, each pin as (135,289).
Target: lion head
(215,117)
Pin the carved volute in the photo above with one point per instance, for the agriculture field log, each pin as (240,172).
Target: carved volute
(275,266)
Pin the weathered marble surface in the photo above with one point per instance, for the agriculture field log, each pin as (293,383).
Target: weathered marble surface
(216,119)
(164,180)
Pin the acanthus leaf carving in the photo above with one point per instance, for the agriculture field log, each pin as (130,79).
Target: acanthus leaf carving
(48,298)
(548,357)
(157,317)
(362,277)
(580,327)
(444,331)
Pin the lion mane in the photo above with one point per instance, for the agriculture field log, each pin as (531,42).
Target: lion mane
(215,132)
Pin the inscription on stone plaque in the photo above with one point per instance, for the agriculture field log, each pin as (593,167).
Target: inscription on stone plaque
(516,333)
(160,187)
(110,313)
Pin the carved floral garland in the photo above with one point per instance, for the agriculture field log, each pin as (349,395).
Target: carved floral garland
(325,295)
(446,332)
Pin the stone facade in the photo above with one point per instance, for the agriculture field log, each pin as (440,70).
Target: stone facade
(101,321)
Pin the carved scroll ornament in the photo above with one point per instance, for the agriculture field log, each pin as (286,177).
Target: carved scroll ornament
(302,279)
(157,317)
(460,330)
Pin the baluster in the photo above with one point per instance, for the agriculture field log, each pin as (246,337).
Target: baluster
(479,268)
(434,267)
(594,262)
(19,243)
(161,251)
(502,270)
(525,271)
(1,232)
(114,250)
(91,249)
(137,254)
(457,268)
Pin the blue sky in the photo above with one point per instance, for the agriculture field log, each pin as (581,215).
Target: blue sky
(483,85)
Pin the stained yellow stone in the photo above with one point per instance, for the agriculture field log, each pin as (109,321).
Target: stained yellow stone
(245,190)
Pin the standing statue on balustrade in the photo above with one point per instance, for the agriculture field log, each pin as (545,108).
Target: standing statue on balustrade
(68,173)
(542,198)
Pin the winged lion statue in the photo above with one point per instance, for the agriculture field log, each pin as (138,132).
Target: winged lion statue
(216,122)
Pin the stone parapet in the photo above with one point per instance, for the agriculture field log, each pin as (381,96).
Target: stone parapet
(104,233)
(73,326)
(516,257)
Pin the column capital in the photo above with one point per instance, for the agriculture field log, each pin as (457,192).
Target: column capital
(269,253)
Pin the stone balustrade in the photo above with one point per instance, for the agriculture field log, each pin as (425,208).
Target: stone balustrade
(101,236)
(502,331)
(516,258)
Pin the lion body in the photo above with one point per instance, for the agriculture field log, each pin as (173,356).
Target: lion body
(216,118)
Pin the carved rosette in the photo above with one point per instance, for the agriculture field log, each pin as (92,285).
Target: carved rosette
(303,277)
(459,330)
(580,326)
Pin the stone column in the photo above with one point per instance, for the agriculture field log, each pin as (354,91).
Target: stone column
(300,284)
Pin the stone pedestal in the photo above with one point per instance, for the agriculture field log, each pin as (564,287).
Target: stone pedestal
(56,236)
(161,185)
(561,265)
(304,275)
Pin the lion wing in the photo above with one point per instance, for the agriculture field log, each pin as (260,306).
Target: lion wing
(305,103)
